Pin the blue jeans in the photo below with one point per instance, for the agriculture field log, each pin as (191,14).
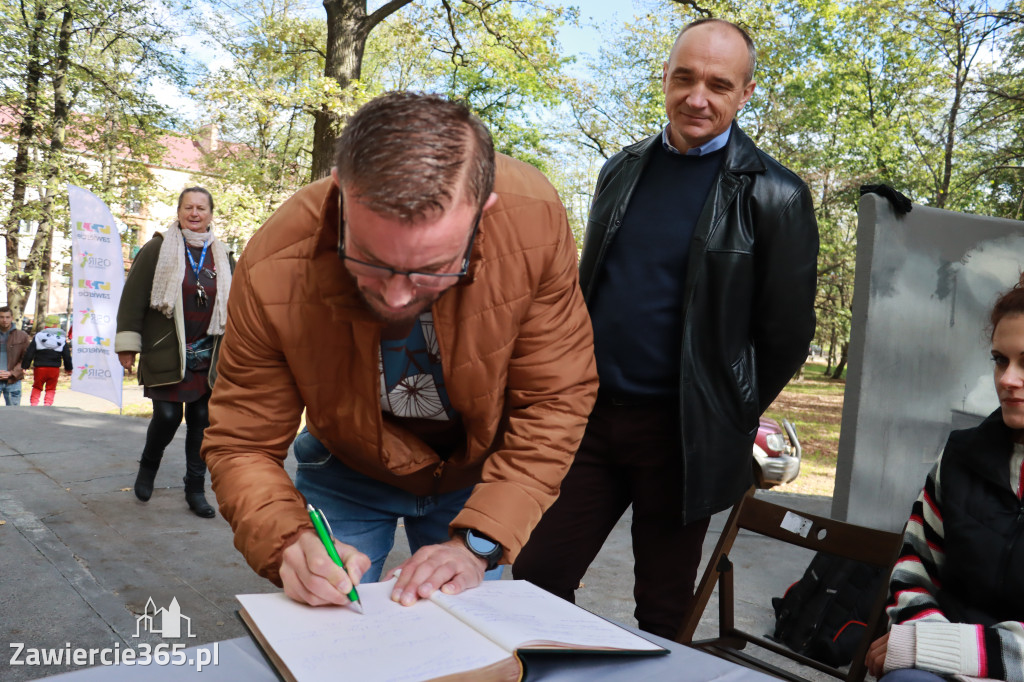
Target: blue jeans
(12,393)
(364,512)
(911,675)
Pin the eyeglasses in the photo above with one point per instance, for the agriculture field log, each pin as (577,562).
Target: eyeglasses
(421,280)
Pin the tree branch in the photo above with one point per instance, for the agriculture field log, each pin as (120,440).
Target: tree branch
(457,49)
(703,11)
(382,13)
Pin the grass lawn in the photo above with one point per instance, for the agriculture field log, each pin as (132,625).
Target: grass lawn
(814,404)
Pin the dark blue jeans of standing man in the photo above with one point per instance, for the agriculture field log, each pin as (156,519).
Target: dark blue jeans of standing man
(630,455)
(364,513)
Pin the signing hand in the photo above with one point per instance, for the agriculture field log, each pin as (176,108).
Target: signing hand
(310,577)
(449,566)
(875,658)
(127,360)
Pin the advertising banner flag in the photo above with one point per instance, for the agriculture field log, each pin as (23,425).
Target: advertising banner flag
(97,277)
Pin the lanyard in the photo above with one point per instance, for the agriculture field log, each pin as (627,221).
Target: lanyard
(202,257)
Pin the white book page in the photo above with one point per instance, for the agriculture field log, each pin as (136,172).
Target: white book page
(516,613)
(388,642)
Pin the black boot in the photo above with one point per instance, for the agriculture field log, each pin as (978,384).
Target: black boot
(196,498)
(144,480)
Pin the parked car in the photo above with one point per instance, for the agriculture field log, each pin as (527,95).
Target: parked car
(776,453)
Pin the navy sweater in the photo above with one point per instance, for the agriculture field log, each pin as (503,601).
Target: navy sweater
(637,303)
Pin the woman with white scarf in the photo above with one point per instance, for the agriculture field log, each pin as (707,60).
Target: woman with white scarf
(172,311)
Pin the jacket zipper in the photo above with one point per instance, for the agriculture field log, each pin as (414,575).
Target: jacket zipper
(1008,554)
(158,341)
(439,469)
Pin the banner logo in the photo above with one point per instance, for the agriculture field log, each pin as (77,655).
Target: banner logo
(98,318)
(90,372)
(94,341)
(93,284)
(95,228)
(97,268)
(91,260)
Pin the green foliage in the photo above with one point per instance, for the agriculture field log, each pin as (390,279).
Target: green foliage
(75,85)
(261,103)
(923,95)
(500,59)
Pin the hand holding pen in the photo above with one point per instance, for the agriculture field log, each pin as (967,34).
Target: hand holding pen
(311,575)
(323,531)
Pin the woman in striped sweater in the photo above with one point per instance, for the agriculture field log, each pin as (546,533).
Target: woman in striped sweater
(957,591)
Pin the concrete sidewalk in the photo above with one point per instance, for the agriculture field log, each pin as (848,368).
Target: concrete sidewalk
(80,556)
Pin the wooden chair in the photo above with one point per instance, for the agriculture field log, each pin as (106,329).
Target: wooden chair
(874,547)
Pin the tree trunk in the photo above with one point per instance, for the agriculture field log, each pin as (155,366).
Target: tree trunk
(838,374)
(19,283)
(348,25)
(54,160)
(831,350)
(951,129)
(43,278)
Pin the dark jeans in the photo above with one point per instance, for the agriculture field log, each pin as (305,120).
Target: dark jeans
(364,512)
(164,424)
(630,454)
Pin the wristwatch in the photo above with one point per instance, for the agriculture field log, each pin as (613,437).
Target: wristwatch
(482,546)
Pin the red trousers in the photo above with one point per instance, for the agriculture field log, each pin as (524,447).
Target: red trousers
(45,376)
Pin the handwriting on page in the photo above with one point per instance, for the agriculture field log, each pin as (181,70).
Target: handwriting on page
(389,642)
(515,613)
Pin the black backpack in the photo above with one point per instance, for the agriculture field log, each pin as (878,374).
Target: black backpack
(824,614)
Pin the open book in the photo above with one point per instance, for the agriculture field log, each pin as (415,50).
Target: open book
(476,635)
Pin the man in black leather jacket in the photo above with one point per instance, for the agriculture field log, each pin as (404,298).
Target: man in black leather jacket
(699,271)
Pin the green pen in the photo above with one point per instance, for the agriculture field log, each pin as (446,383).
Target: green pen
(323,531)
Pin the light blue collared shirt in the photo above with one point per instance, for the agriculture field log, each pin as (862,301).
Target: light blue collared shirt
(712,145)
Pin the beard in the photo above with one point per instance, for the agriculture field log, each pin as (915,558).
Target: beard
(408,313)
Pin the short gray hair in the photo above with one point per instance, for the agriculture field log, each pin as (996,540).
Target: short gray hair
(751,50)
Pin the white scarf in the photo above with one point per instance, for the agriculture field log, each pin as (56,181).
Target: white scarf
(170,271)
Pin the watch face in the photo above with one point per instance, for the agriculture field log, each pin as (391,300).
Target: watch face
(479,545)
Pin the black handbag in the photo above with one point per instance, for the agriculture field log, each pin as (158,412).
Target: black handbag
(199,354)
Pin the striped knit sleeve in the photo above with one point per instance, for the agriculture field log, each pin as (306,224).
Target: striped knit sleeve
(945,648)
(995,652)
(915,577)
